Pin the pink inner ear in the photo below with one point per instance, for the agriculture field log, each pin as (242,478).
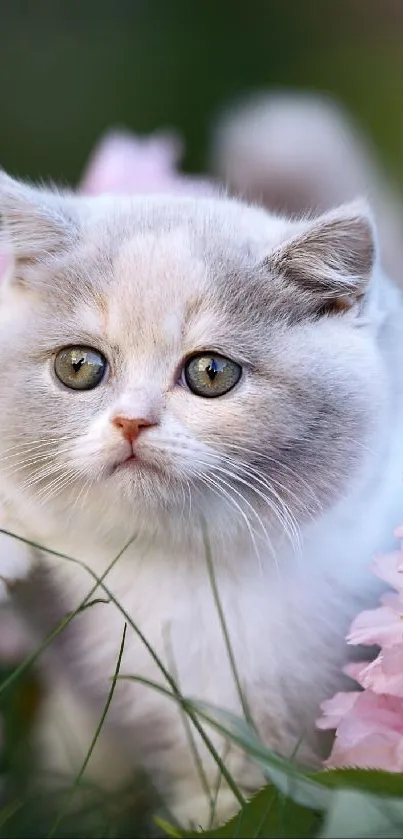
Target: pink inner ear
(126,164)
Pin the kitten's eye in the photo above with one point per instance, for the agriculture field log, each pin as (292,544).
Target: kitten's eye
(211,375)
(80,368)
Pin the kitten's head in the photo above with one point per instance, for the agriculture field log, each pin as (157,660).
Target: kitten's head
(167,357)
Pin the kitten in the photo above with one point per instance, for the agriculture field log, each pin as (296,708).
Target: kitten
(299,152)
(171,360)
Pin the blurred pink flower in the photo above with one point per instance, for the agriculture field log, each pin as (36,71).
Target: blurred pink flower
(369,722)
(127,164)
(385,674)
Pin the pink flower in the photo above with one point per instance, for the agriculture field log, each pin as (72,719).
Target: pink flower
(335,709)
(385,674)
(369,723)
(383,626)
(126,164)
(369,732)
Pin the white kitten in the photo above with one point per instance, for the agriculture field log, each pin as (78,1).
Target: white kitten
(165,361)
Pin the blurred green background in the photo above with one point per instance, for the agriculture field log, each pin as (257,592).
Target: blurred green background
(68,70)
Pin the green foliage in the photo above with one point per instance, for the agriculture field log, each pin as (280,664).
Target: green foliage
(362,803)
(269,814)
(298,803)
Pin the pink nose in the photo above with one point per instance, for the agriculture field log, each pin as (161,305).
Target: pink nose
(131,428)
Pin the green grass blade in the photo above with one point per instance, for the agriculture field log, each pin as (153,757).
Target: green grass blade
(154,655)
(224,627)
(77,781)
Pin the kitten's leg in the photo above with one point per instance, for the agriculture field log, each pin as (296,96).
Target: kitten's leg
(64,731)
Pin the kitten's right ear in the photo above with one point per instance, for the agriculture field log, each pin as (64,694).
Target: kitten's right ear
(35,225)
(330,261)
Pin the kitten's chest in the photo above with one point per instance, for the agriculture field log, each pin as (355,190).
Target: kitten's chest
(286,631)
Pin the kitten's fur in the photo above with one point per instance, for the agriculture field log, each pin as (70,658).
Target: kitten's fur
(297,471)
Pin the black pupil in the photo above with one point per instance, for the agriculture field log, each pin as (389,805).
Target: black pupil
(212,370)
(78,364)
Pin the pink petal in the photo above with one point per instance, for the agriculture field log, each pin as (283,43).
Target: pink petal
(376,751)
(387,711)
(336,708)
(383,626)
(392,600)
(385,674)
(365,717)
(358,714)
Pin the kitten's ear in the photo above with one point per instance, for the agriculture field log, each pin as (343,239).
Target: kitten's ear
(35,224)
(331,260)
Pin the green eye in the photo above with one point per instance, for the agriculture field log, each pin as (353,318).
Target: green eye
(80,368)
(211,375)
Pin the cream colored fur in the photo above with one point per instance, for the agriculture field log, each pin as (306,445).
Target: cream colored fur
(297,472)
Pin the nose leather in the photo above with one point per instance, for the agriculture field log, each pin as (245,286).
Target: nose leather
(131,428)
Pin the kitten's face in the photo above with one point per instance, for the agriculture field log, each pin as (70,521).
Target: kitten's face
(164,361)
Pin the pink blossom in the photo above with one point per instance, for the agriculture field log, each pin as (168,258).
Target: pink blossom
(335,709)
(383,626)
(374,751)
(127,164)
(369,734)
(369,723)
(385,674)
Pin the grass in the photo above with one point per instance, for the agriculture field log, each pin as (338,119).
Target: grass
(17,773)
(295,803)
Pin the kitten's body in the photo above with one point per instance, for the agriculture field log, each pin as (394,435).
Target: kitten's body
(318,413)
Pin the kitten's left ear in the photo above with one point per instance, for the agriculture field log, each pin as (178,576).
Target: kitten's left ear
(329,263)
(35,224)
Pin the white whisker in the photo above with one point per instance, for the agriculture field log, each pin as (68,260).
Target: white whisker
(222,493)
(284,517)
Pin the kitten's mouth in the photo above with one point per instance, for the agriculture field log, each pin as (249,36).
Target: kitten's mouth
(136,461)
(133,461)
(128,462)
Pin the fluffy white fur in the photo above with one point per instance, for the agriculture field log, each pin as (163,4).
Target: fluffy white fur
(297,471)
